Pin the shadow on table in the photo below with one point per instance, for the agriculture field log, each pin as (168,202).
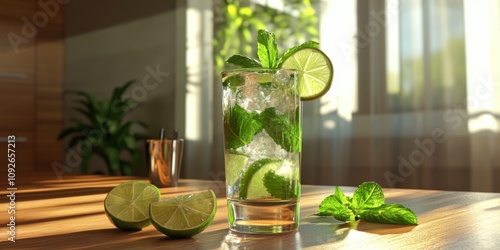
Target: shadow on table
(316,230)
(312,232)
(90,239)
(113,238)
(204,240)
(381,229)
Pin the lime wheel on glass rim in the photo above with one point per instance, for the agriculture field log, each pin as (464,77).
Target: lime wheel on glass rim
(316,72)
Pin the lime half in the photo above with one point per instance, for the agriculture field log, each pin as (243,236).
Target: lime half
(235,162)
(252,182)
(316,72)
(127,204)
(185,215)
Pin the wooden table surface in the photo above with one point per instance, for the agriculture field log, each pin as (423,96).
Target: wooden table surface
(69,213)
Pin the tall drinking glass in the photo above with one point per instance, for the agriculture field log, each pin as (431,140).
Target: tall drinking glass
(262,117)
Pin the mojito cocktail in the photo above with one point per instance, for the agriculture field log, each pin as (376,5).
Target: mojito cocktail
(262,116)
(262,142)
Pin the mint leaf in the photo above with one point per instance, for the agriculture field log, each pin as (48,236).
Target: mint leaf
(333,206)
(244,61)
(309,44)
(368,195)
(340,197)
(239,127)
(267,50)
(389,213)
(282,130)
(278,186)
(233,81)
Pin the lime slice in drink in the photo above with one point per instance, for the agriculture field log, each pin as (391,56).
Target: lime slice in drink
(235,162)
(127,204)
(185,215)
(316,72)
(252,182)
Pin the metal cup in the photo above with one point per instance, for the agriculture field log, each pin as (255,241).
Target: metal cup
(164,161)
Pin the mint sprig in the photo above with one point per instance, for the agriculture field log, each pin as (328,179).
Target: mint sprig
(367,203)
(267,51)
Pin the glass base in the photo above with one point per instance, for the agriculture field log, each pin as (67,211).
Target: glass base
(263,217)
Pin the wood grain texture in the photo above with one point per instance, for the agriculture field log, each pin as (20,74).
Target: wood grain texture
(31,79)
(17,58)
(69,213)
(49,87)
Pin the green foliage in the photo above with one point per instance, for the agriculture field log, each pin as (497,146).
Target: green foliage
(337,205)
(244,61)
(236,20)
(278,186)
(367,203)
(285,132)
(267,50)
(240,127)
(103,131)
(368,195)
(389,213)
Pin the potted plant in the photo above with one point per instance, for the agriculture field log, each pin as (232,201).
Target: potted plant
(103,132)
